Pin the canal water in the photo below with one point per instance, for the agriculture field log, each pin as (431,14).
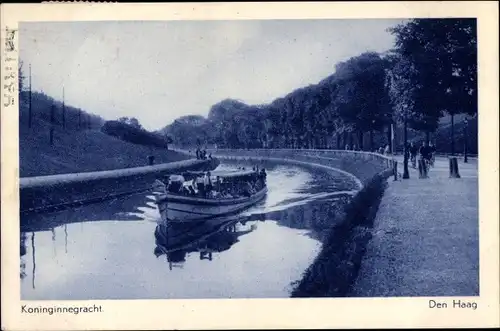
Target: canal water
(120,249)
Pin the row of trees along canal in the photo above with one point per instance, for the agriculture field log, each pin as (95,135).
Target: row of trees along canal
(429,76)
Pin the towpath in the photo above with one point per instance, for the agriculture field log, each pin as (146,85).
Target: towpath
(425,237)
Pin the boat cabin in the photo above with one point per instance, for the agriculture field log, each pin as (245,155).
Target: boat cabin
(217,184)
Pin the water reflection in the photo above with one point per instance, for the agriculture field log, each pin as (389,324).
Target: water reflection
(132,208)
(22,248)
(315,215)
(209,237)
(120,249)
(33,257)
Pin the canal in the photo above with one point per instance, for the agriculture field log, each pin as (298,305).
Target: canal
(119,249)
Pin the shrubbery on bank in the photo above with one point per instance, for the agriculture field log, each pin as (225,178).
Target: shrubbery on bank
(134,135)
(336,267)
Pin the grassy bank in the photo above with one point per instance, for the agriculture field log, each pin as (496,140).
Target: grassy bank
(81,151)
(337,265)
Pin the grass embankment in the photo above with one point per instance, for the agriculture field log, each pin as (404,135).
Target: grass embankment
(336,267)
(81,151)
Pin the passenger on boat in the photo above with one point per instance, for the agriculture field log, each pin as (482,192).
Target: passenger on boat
(258,184)
(263,174)
(191,190)
(208,182)
(226,195)
(233,191)
(200,185)
(175,183)
(218,184)
(215,194)
(248,189)
(185,190)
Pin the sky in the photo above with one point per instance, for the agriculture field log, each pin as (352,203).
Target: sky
(159,71)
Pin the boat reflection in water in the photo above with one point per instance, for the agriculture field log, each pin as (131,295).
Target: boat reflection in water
(206,237)
(93,252)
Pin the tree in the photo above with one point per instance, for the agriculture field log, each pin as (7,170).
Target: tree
(403,88)
(132,121)
(363,101)
(436,59)
(431,71)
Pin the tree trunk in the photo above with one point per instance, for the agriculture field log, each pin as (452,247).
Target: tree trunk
(405,137)
(371,141)
(64,117)
(452,134)
(338,140)
(406,173)
(465,141)
(30,114)
(52,123)
(389,136)
(360,140)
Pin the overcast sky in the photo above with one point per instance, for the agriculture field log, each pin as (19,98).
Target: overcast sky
(158,71)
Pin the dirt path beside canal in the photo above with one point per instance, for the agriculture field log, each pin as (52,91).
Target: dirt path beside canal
(425,237)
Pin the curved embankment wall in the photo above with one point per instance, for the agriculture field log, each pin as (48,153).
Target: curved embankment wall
(336,267)
(362,165)
(47,193)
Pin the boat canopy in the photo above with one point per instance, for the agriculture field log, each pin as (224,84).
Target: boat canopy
(222,174)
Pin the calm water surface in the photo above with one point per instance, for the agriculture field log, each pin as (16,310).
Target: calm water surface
(120,249)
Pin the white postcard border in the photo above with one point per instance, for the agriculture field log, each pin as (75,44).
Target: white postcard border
(262,313)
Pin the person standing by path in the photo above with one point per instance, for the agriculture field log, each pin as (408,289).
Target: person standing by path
(425,155)
(413,154)
(432,152)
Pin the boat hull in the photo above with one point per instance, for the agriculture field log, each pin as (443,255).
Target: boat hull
(175,208)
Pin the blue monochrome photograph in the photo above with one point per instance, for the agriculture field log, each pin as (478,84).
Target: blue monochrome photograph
(212,159)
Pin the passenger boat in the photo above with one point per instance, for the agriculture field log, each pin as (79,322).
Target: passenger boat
(177,207)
